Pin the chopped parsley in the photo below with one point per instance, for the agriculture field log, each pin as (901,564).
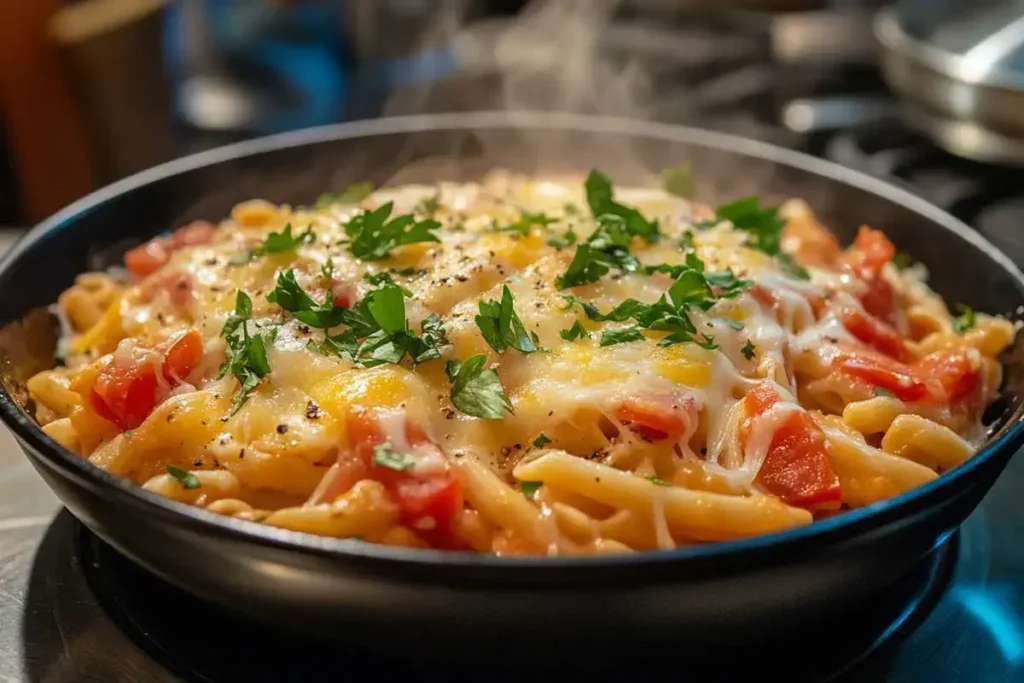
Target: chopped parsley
(372,236)
(428,206)
(563,241)
(621,336)
(184,477)
(501,326)
(734,324)
(289,295)
(882,391)
(601,200)
(530,488)
(246,350)
(353,194)
(965,320)
(276,243)
(378,330)
(384,278)
(658,481)
(679,181)
(902,260)
(606,248)
(526,221)
(541,441)
(693,288)
(386,456)
(476,390)
(577,331)
(748,350)
(764,231)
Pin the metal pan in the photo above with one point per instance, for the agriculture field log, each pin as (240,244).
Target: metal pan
(692,598)
(957,66)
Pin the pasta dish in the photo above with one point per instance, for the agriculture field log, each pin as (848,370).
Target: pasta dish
(520,366)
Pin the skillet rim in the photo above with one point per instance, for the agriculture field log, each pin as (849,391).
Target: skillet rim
(819,534)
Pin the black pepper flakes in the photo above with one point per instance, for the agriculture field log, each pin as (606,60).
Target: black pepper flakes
(197,463)
(282,429)
(313,411)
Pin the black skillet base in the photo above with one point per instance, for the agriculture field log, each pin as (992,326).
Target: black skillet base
(203,643)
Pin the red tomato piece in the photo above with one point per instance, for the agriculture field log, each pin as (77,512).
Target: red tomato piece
(182,355)
(196,232)
(655,419)
(871,250)
(875,333)
(147,258)
(427,501)
(954,369)
(342,301)
(796,467)
(881,371)
(126,394)
(879,299)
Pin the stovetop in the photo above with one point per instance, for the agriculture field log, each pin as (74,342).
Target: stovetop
(72,609)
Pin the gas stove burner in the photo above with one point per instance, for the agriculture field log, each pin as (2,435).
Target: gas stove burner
(203,643)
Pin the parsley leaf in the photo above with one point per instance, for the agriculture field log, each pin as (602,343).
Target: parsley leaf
(791,268)
(429,205)
(577,331)
(679,181)
(184,477)
(476,390)
(356,192)
(882,391)
(386,456)
(372,236)
(276,243)
(561,242)
(384,278)
(606,248)
(764,231)
(529,488)
(289,295)
(246,352)
(734,324)
(541,441)
(658,481)
(526,222)
(902,260)
(432,338)
(601,201)
(763,225)
(501,327)
(621,335)
(748,350)
(966,320)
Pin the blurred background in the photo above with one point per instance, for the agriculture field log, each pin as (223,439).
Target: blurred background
(94,90)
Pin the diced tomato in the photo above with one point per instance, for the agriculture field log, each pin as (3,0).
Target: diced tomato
(147,258)
(879,299)
(764,296)
(126,394)
(882,371)
(796,467)
(342,301)
(427,500)
(655,419)
(872,249)
(182,354)
(953,368)
(864,260)
(875,333)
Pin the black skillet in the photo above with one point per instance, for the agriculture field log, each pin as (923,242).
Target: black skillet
(411,600)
